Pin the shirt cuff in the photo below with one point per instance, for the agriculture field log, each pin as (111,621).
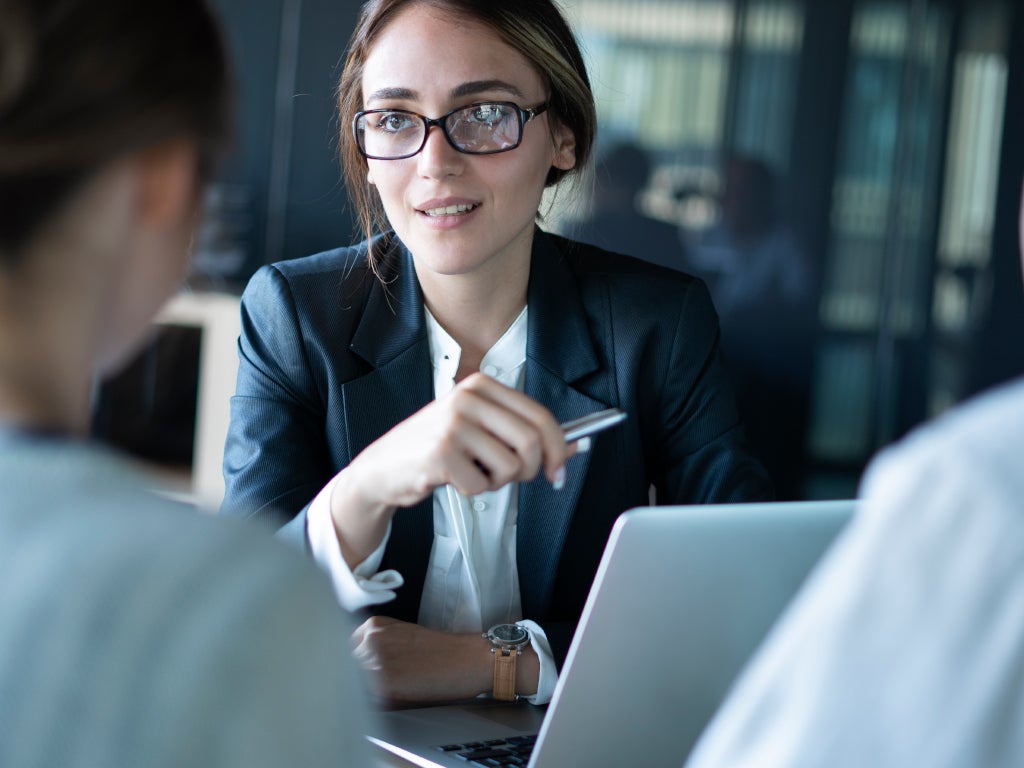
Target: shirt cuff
(356,588)
(548,670)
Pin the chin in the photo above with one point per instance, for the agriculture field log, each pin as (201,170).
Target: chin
(453,255)
(451,267)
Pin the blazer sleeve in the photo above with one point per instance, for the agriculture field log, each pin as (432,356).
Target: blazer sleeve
(276,453)
(702,455)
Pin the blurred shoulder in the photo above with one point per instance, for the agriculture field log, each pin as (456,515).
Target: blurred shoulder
(204,619)
(986,429)
(80,502)
(968,461)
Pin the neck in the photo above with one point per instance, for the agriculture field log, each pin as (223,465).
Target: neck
(47,344)
(476,313)
(43,397)
(62,312)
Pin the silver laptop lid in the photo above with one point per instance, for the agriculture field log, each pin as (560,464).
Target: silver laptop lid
(681,599)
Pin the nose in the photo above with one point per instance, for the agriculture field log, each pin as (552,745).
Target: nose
(438,158)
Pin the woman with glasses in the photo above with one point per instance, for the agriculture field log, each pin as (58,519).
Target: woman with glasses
(398,402)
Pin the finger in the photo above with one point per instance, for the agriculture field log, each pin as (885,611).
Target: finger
(498,440)
(506,445)
(501,463)
(547,431)
(468,475)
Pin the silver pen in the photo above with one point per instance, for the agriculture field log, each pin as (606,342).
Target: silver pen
(592,423)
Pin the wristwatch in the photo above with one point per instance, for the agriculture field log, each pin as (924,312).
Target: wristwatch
(507,643)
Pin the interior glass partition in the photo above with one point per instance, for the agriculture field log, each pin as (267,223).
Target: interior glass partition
(963,280)
(874,302)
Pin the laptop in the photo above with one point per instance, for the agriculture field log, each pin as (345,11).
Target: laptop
(682,597)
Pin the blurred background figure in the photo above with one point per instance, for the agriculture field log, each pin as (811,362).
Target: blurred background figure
(750,258)
(764,291)
(617,221)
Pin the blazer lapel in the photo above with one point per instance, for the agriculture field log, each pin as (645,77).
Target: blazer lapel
(559,351)
(392,338)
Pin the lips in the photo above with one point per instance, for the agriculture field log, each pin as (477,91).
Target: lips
(449,210)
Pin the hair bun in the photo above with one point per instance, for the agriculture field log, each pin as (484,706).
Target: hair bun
(15,53)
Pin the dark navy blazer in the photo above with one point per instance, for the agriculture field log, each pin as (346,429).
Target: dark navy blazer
(331,357)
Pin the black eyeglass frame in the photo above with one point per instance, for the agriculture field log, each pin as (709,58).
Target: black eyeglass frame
(524,115)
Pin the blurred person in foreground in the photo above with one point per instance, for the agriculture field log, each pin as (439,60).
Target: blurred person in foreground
(907,645)
(132,631)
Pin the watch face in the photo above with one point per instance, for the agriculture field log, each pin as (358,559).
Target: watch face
(510,634)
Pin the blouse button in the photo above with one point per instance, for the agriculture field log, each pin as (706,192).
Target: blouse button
(479,505)
(491,370)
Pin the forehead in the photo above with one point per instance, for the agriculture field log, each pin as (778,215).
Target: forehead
(428,54)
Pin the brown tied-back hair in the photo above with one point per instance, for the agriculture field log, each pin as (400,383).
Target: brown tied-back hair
(535,28)
(85,81)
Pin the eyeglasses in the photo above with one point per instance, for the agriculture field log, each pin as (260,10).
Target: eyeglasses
(485,128)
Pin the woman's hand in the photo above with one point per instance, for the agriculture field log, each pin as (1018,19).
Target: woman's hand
(408,664)
(480,437)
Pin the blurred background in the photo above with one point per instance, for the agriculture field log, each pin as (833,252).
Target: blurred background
(843,174)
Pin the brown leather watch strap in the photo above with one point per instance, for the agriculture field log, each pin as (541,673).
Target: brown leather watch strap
(504,674)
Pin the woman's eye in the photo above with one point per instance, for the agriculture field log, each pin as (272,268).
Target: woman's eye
(488,113)
(393,122)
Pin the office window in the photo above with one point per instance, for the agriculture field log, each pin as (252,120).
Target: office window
(659,69)
(690,82)
(963,280)
(771,39)
(875,293)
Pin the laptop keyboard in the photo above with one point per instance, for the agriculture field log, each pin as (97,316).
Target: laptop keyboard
(514,750)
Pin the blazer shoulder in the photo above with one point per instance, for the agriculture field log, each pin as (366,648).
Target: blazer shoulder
(322,279)
(340,262)
(587,259)
(629,281)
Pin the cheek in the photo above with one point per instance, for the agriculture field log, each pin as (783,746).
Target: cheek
(389,183)
(522,169)
(388,180)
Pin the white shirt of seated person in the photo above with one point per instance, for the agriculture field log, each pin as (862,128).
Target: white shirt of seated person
(472,581)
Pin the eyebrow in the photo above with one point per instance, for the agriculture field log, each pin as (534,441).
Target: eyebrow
(479,86)
(471,88)
(383,94)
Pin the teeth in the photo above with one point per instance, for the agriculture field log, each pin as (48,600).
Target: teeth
(450,210)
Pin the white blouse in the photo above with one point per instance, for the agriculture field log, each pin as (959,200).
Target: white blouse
(472,580)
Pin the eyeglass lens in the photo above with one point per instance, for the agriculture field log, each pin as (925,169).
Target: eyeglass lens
(476,129)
